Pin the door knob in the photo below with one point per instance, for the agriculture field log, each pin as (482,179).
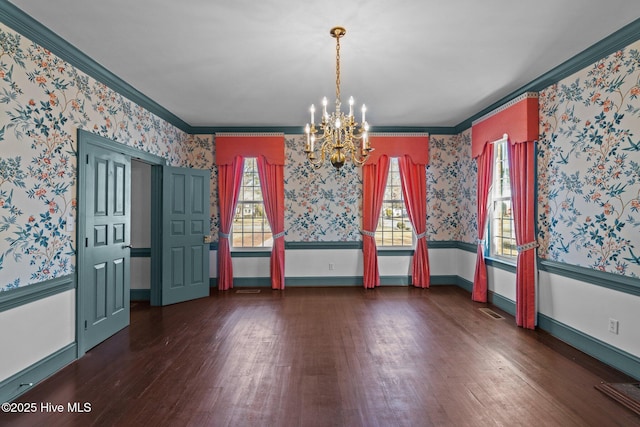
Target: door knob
(127,246)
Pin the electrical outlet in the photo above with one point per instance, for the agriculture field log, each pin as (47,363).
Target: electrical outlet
(331,266)
(613,326)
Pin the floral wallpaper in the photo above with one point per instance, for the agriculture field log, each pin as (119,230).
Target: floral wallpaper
(321,204)
(451,189)
(589,166)
(43,101)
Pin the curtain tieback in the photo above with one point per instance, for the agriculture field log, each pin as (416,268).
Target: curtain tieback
(480,241)
(527,246)
(368,233)
(223,235)
(278,235)
(421,235)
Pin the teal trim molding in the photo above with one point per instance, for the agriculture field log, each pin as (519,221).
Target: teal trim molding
(24,380)
(15,18)
(324,245)
(452,244)
(452,280)
(502,303)
(24,295)
(469,247)
(140,295)
(442,244)
(616,282)
(253,282)
(250,254)
(391,281)
(91,138)
(602,351)
(299,130)
(324,281)
(396,252)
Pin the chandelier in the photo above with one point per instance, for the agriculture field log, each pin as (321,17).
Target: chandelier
(340,136)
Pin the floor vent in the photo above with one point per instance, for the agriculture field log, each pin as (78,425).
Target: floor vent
(248,291)
(490,313)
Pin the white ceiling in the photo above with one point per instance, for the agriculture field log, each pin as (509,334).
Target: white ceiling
(262,63)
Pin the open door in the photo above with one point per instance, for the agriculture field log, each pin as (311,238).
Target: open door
(185,234)
(104,272)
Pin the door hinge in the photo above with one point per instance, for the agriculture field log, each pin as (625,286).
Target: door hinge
(87,159)
(85,325)
(86,242)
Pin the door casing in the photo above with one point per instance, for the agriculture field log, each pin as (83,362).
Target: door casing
(84,140)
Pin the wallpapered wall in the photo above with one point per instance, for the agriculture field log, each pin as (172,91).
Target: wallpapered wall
(324,204)
(321,204)
(43,101)
(451,189)
(589,166)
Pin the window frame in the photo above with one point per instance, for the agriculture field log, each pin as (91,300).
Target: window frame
(490,237)
(383,247)
(247,249)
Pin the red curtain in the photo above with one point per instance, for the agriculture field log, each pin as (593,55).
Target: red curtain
(272,185)
(229,179)
(522,176)
(414,190)
(374,181)
(485,176)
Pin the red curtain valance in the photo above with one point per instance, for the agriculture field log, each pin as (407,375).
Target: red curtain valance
(271,146)
(518,119)
(415,146)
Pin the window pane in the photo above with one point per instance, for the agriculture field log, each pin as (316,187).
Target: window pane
(250,225)
(503,242)
(394,227)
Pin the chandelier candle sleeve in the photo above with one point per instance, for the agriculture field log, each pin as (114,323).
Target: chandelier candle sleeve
(340,139)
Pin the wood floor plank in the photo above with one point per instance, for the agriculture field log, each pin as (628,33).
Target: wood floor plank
(392,356)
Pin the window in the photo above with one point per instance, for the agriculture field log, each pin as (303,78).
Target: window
(501,228)
(250,225)
(394,227)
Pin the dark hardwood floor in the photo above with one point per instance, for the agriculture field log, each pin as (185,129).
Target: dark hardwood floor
(393,356)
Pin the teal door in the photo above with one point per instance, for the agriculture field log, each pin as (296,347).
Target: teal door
(104,273)
(185,234)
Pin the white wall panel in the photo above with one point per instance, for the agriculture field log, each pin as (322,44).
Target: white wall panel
(36,330)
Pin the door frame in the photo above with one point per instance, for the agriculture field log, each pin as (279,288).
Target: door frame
(85,139)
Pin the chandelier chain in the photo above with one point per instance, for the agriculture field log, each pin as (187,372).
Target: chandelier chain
(338,69)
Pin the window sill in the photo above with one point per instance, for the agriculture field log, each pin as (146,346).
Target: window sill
(251,253)
(397,251)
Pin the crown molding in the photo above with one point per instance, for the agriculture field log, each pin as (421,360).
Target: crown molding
(245,134)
